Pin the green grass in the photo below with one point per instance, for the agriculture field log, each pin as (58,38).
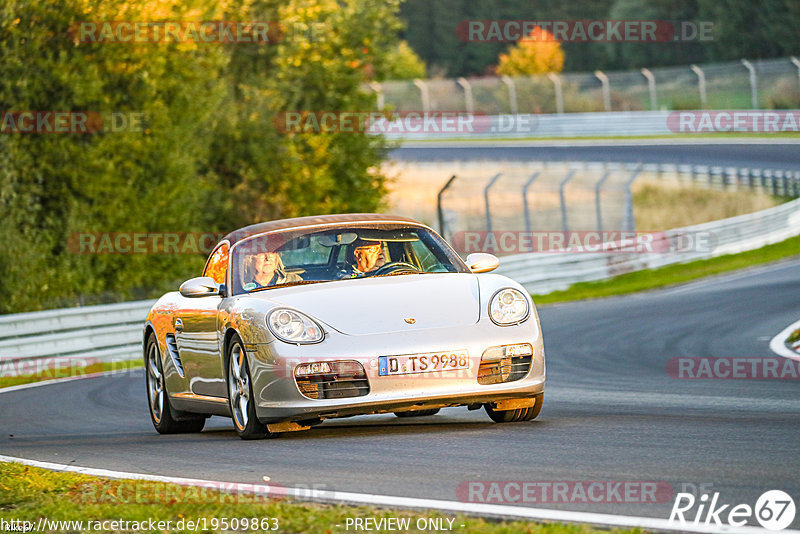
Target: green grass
(794,337)
(60,370)
(673,274)
(28,493)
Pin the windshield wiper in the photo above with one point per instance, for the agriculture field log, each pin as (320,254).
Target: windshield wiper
(288,284)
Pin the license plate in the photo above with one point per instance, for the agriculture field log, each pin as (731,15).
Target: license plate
(425,362)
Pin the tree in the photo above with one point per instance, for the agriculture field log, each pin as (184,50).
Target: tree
(537,53)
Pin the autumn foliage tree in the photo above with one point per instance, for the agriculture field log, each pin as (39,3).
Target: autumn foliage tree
(536,53)
(209,160)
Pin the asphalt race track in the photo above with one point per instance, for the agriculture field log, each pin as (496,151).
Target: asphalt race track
(777,154)
(612,413)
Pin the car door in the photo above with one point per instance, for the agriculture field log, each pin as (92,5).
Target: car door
(197,335)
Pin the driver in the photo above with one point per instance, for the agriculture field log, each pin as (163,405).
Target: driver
(367,258)
(266,269)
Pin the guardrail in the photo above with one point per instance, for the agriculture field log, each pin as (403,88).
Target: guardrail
(110,332)
(543,273)
(113,332)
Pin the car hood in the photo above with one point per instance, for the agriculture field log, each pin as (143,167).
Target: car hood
(387,304)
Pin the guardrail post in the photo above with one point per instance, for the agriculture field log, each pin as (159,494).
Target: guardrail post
(525,207)
(651,85)
(375,86)
(468,102)
(605,87)
(486,200)
(628,221)
(423,94)
(512,94)
(439,209)
(597,199)
(559,91)
(561,186)
(701,84)
(753,83)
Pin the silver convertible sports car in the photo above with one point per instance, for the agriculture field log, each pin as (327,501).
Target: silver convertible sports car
(301,320)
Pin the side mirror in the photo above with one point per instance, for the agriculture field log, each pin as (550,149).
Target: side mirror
(481,262)
(202,286)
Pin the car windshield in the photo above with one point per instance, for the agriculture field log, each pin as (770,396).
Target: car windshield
(356,251)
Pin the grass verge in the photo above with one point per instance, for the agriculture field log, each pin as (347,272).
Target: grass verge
(672,274)
(29,493)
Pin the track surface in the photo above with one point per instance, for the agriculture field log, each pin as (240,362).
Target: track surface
(611,413)
(776,155)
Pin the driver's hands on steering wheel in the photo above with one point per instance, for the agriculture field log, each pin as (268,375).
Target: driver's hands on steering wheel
(392,267)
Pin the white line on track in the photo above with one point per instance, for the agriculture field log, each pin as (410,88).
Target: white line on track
(339,497)
(501,511)
(779,347)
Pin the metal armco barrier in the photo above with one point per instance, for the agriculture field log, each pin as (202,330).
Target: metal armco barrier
(546,272)
(113,332)
(110,332)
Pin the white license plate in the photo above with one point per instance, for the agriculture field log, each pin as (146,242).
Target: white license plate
(425,362)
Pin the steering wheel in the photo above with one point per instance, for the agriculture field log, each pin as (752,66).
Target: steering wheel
(395,266)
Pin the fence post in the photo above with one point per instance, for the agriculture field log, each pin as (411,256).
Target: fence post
(512,94)
(559,91)
(597,200)
(375,86)
(795,177)
(525,188)
(701,84)
(561,186)
(606,88)
(628,221)
(796,64)
(486,200)
(468,103)
(795,184)
(439,209)
(651,85)
(753,83)
(424,95)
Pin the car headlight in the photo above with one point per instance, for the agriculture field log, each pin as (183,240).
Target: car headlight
(292,326)
(508,306)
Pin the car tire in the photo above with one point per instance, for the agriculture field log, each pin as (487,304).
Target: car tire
(240,395)
(417,413)
(514,416)
(164,417)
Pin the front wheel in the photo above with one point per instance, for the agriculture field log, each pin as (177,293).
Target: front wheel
(166,419)
(240,395)
(514,416)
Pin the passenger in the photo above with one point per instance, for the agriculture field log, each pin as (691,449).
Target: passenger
(266,270)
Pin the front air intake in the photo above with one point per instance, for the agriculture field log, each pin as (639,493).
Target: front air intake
(505,364)
(332,380)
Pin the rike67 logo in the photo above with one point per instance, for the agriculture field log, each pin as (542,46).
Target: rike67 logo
(774,510)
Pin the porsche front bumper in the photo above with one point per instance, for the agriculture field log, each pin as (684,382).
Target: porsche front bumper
(278,398)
